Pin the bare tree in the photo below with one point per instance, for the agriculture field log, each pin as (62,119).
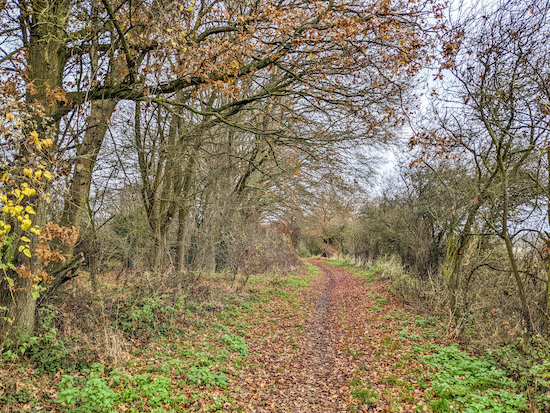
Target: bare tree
(490,117)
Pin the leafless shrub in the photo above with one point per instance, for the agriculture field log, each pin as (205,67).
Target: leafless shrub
(263,249)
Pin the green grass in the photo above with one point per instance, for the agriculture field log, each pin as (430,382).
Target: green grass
(296,283)
(340,263)
(365,396)
(367,274)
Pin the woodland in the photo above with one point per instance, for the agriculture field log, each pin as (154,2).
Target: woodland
(289,205)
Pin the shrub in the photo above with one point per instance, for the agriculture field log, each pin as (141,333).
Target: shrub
(94,395)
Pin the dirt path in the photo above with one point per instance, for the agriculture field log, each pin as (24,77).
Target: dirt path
(345,345)
(315,378)
(318,371)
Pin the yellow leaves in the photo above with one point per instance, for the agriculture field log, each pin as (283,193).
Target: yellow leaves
(46,143)
(6,228)
(12,200)
(25,248)
(29,191)
(26,224)
(17,202)
(190,8)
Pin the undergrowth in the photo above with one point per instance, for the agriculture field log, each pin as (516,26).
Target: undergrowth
(512,375)
(467,384)
(140,347)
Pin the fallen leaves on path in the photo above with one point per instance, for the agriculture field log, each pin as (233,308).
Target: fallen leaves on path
(346,354)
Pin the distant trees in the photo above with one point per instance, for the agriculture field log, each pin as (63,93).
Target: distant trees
(411,219)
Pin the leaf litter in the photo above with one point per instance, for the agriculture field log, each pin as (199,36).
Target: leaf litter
(334,342)
(349,356)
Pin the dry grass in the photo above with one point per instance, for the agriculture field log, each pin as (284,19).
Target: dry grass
(491,312)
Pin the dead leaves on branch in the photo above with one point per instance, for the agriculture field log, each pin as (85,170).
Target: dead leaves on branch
(47,254)
(214,45)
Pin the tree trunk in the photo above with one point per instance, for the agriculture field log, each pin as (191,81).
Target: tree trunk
(181,247)
(510,248)
(159,250)
(451,272)
(16,310)
(547,294)
(17,304)
(456,246)
(46,51)
(184,195)
(87,151)
(519,283)
(97,124)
